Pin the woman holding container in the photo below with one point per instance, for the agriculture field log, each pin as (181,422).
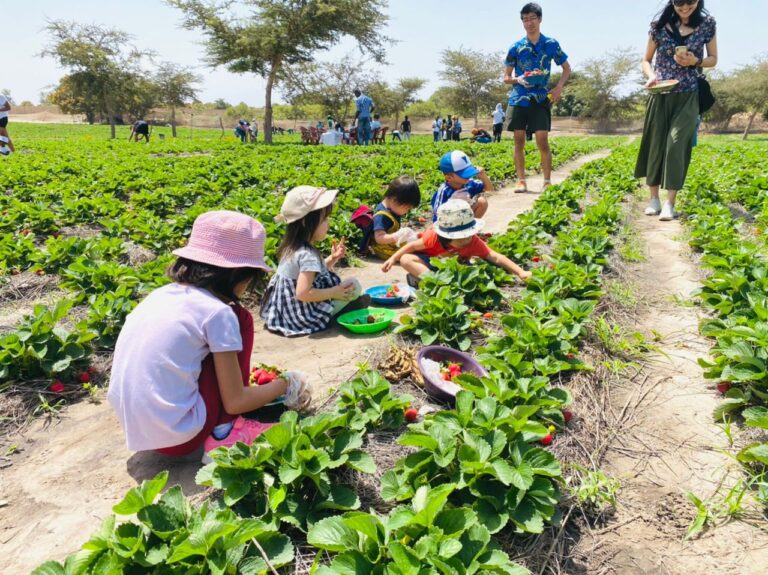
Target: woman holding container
(682,38)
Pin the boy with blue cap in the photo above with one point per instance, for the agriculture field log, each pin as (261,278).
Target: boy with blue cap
(463,181)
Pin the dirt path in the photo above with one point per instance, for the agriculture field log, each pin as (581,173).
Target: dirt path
(670,445)
(69,474)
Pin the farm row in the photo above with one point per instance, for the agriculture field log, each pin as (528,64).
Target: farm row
(472,473)
(735,290)
(99,219)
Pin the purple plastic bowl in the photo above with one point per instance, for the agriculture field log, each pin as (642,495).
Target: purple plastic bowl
(438,387)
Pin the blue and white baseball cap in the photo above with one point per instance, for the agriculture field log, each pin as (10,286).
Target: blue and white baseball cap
(457,162)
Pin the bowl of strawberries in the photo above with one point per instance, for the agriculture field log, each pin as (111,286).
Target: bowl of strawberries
(263,374)
(440,366)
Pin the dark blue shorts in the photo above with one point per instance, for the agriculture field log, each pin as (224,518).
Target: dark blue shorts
(426,259)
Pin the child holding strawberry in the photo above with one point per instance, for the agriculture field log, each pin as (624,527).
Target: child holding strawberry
(181,367)
(463,181)
(455,232)
(305,294)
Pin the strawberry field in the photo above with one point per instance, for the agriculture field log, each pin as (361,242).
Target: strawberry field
(487,484)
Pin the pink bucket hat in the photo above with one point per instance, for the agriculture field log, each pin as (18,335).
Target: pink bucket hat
(302,200)
(227,240)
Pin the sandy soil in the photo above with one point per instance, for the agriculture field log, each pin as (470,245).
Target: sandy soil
(70,472)
(670,445)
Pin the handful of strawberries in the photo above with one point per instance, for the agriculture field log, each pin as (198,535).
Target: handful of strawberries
(262,374)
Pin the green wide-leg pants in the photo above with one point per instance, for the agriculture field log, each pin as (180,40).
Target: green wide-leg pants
(665,150)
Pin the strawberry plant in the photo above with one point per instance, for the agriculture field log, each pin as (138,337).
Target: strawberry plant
(287,474)
(369,401)
(439,317)
(429,536)
(171,537)
(483,448)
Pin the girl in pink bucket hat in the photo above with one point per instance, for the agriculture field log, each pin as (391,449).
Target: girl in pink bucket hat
(305,294)
(181,367)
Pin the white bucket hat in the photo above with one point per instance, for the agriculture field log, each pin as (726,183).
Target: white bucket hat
(302,200)
(455,220)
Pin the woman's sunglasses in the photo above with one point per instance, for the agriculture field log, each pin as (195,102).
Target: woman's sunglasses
(679,3)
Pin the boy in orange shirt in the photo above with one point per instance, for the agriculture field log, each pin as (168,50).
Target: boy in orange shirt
(454,233)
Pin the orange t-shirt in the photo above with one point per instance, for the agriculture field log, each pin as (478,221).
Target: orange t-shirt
(432,247)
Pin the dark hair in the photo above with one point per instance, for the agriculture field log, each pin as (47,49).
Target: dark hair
(531,8)
(220,281)
(376,116)
(669,16)
(357,92)
(445,243)
(298,234)
(404,191)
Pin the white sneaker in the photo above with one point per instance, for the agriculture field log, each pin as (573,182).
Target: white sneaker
(654,207)
(668,213)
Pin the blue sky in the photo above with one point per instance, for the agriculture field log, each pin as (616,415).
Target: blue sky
(586,29)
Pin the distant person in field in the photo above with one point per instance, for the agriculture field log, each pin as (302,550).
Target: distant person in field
(181,368)
(376,124)
(253,131)
(305,294)
(683,40)
(405,128)
(364,107)
(139,131)
(456,129)
(463,180)
(480,136)
(241,130)
(5,107)
(530,105)
(455,233)
(437,126)
(498,122)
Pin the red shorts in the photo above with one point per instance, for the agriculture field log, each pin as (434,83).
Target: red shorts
(215,414)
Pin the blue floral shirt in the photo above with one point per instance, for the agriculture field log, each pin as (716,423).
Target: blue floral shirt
(665,66)
(524,56)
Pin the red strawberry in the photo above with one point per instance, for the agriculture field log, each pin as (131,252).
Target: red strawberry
(263,378)
(536,259)
(84,377)
(418,236)
(488,315)
(454,369)
(723,387)
(411,415)
(547,439)
(92,370)
(570,356)
(567,415)
(57,386)
(445,375)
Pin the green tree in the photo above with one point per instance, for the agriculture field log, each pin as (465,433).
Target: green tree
(76,94)
(175,87)
(327,84)
(608,88)
(280,33)
(393,100)
(471,78)
(101,60)
(749,88)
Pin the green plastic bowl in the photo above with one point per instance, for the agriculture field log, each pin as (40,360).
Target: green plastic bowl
(384,317)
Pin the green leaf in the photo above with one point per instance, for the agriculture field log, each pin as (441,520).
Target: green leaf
(449,548)
(756,417)
(332,534)
(428,502)
(365,523)
(390,485)
(141,496)
(757,452)
(278,549)
(341,498)
(361,461)
(50,568)
(279,435)
(407,563)
(348,563)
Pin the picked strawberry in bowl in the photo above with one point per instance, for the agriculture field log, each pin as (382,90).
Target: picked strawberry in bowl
(262,374)
(440,366)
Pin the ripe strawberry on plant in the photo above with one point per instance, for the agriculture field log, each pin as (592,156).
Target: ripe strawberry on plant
(547,439)
(411,415)
(57,386)
(536,259)
(723,387)
(84,377)
(488,315)
(567,415)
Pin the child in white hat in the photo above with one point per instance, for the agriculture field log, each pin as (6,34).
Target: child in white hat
(181,367)
(454,233)
(305,294)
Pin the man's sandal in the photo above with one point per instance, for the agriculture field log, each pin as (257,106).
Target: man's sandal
(520,187)
(546,184)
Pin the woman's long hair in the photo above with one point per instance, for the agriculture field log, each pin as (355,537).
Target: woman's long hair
(669,16)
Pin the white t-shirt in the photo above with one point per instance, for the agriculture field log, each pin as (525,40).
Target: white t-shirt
(3,100)
(498,116)
(158,358)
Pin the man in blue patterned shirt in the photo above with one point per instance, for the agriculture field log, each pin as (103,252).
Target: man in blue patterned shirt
(364,106)
(528,65)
